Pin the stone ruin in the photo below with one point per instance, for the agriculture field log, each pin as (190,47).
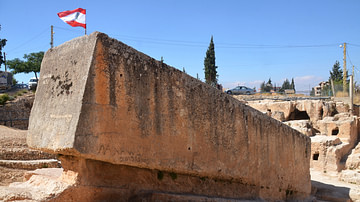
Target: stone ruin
(129,127)
(332,127)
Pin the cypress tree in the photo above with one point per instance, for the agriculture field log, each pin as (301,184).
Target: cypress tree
(336,74)
(286,85)
(209,65)
(292,85)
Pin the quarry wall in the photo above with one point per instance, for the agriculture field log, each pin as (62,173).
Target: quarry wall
(102,105)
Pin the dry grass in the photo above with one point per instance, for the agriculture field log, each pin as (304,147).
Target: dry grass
(342,94)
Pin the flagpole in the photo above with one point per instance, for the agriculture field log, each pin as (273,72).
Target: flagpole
(85,25)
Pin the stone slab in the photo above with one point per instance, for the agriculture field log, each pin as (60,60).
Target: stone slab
(103,100)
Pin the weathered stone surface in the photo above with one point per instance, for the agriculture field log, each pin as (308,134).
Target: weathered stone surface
(269,105)
(278,115)
(303,126)
(343,126)
(350,176)
(102,100)
(42,185)
(353,160)
(313,109)
(326,154)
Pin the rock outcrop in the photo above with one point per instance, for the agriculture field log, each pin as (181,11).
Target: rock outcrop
(131,126)
(334,132)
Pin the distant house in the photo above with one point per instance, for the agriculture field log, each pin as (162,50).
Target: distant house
(318,89)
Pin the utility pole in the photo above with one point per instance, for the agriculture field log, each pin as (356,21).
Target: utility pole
(5,61)
(52,37)
(351,93)
(345,73)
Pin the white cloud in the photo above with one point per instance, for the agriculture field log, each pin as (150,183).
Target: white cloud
(307,82)
(308,78)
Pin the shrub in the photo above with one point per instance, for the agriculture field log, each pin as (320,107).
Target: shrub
(4,98)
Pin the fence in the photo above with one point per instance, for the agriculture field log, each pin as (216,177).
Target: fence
(16,119)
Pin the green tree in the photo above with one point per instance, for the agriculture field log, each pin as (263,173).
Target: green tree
(31,63)
(286,85)
(292,85)
(336,74)
(266,87)
(262,87)
(2,44)
(209,65)
(312,93)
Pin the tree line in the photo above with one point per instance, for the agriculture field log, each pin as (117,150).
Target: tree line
(268,86)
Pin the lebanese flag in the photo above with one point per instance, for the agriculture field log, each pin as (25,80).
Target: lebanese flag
(75,18)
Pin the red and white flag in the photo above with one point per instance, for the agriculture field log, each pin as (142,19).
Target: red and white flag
(75,18)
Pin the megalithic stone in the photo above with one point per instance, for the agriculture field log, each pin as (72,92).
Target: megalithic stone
(102,100)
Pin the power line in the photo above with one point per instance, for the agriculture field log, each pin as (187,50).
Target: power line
(157,41)
(71,30)
(218,45)
(351,44)
(28,41)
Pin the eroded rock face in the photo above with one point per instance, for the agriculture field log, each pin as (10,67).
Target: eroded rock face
(103,103)
(303,126)
(326,154)
(343,126)
(270,106)
(337,132)
(353,160)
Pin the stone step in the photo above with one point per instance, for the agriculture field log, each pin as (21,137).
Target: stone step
(24,154)
(31,164)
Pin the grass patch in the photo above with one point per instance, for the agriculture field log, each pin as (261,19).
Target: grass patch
(173,176)
(160,175)
(21,92)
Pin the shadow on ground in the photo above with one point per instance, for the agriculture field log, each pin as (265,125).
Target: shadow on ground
(328,192)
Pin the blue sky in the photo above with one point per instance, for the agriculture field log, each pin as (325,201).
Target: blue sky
(254,40)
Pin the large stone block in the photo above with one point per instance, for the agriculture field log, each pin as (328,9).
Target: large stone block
(101,100)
